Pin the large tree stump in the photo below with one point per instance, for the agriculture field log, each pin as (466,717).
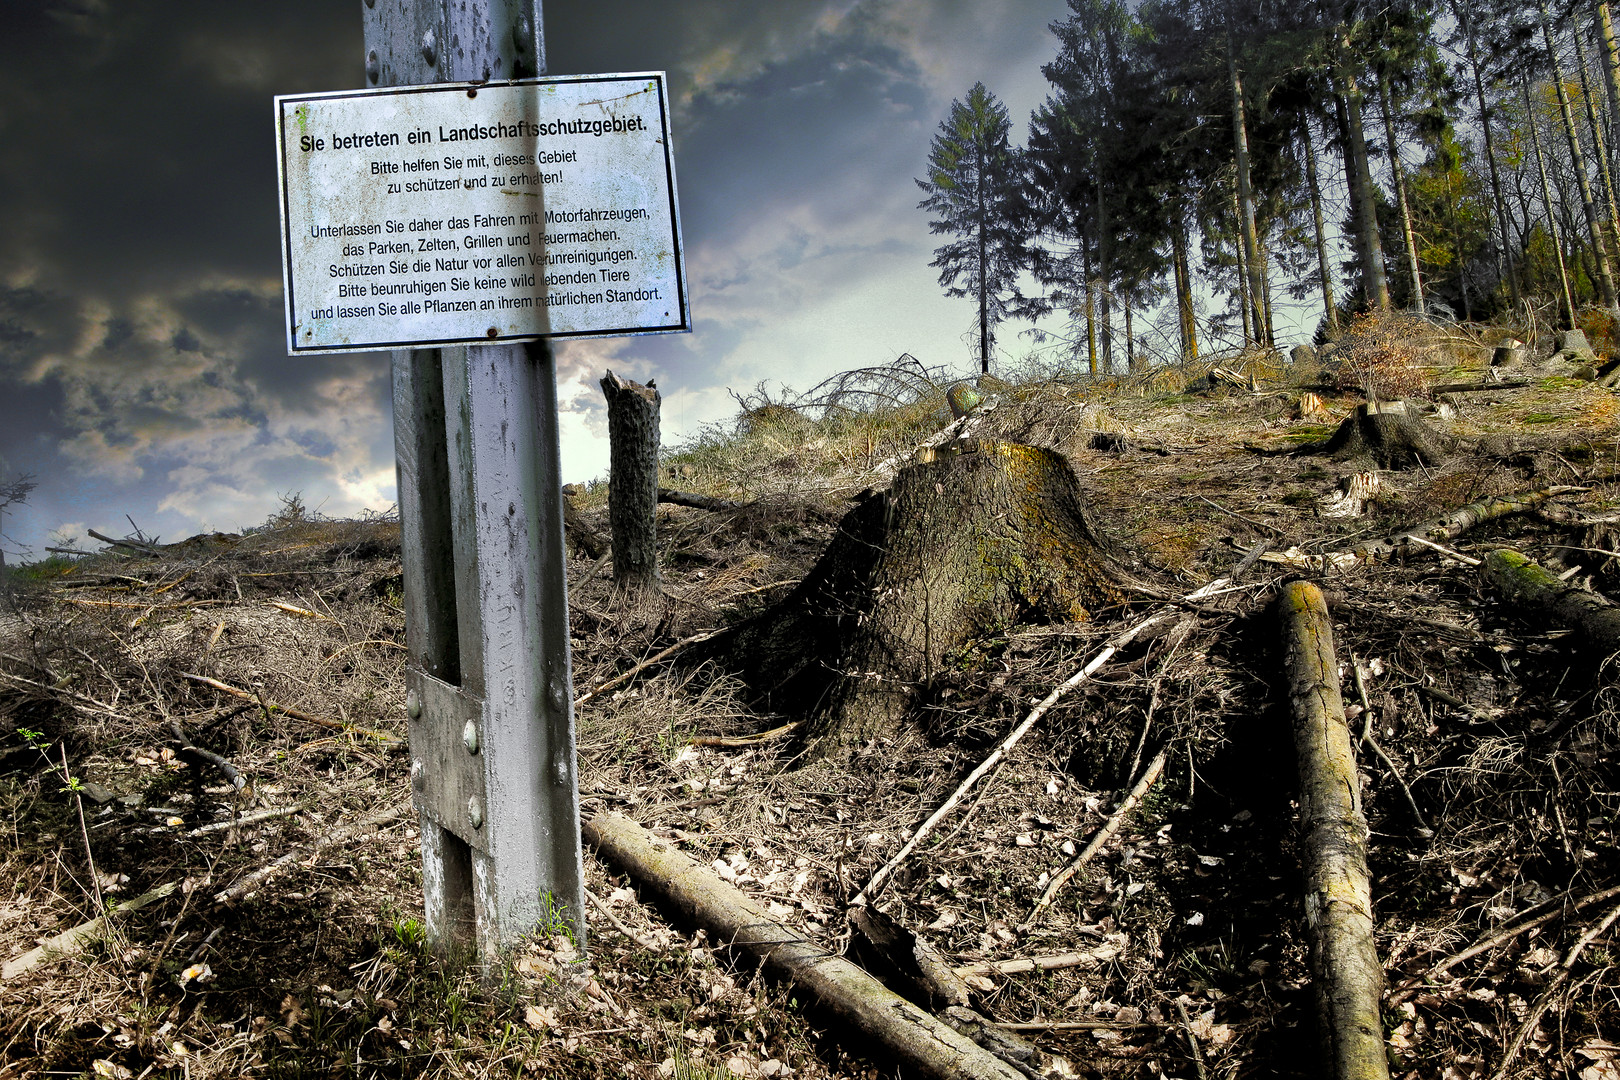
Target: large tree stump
(633,488)
(1386,438)
(973,537)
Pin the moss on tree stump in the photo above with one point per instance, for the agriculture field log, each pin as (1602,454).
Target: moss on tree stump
(971,538)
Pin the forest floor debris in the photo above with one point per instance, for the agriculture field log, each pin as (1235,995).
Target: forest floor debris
(1181,939)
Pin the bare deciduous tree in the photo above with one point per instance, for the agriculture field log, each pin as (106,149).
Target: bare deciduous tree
(12,493)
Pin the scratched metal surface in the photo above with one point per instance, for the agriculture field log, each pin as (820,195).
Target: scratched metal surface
(485,590)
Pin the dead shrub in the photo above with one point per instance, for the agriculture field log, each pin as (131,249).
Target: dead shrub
(1379,354)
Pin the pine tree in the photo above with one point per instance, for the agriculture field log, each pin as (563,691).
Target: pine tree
(973,189)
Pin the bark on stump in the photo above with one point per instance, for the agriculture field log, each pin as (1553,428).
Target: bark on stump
(1391,440)
(973,537)
(1338,890)
(633,487)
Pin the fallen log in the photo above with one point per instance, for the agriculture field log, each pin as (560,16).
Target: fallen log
(1532,585)
(698,502)
(927,1046)
(1452,525)
(1338,891)
(70,943)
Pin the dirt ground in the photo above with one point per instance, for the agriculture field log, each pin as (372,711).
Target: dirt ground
(291,942)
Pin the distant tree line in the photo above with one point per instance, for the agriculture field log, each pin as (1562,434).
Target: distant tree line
(1189,148)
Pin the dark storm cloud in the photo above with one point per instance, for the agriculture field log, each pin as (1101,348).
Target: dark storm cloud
(142,363)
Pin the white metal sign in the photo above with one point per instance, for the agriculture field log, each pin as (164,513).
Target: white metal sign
(420,216)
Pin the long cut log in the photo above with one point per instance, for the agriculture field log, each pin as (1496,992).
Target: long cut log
(1527,582)
(927,1046)
(1338,891)
(1452,525)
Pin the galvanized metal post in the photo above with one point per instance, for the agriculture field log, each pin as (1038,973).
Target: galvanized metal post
(489,697)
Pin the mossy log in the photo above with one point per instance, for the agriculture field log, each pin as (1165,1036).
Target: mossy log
(973,537)
(1528,583)
(1338,890)
(1391,440)
(1452,525)
(881,1019)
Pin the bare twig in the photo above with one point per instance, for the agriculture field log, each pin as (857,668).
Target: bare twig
(297,714)
(736,741)
(625,676)
(1110,827)
(248,819)
(78,701)
(1117,642)
(601,906)
(1272,529)
(1515,930)
(1368,739)
(1450,553)
(249,883)
(1025,964)
(1545,1001)
(1192,1040)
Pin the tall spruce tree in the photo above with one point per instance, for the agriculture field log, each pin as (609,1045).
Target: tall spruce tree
(974,192)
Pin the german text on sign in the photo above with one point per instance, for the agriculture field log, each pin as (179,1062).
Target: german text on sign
(419,216)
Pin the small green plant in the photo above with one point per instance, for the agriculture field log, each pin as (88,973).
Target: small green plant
(555,921)
(73,786)
(409,932)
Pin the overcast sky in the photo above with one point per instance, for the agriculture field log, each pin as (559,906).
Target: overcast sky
(142,351)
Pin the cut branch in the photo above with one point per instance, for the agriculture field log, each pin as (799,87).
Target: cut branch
(133,545)
(1459,521)
(879,1016)
(625,676)
(698,502)
(1110,827)
(1116,643)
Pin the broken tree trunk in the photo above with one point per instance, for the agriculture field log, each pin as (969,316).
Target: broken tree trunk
(633,486)
(1522,581)
(1338,891)
(924,1044)
(973,537)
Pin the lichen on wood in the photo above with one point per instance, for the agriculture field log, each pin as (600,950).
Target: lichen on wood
(1338,889)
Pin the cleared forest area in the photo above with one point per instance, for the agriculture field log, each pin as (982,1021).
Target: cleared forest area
(1121,891)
